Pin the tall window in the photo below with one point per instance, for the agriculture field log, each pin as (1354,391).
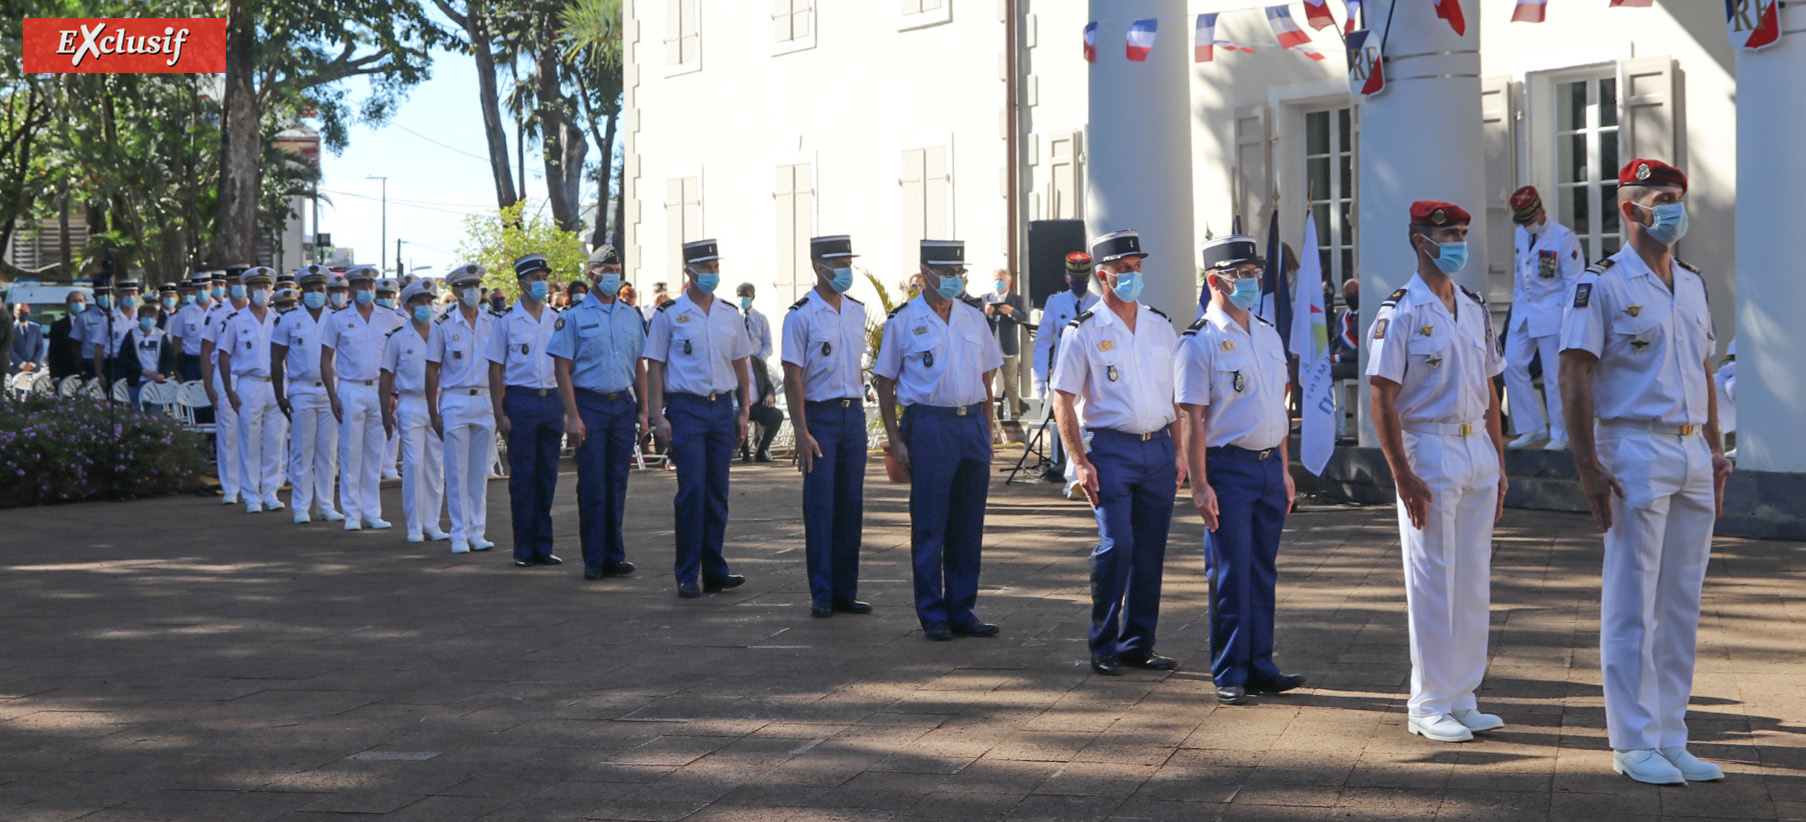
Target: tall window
(683,221)
(795,200)
(1329,164)
(926,183)
(917,13)
(1586,157)
(795,22)
(683,38)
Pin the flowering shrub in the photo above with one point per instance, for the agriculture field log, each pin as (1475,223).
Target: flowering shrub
(55,449)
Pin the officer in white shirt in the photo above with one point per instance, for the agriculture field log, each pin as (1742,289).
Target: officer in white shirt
(403,387)
(696,356)
(351,353)
(528,411)
(225,427)
(89,329)
(824,348)
(1057,313)
(1548,262)
(190,320)
(1232,381)
(301,394)
(109,332)
(386,290)
(937,359)
(244,364)
(1431,359)
(457,398)
(1113,377)
(1637,343)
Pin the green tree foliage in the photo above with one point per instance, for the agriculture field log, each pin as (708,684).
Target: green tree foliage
(496,239)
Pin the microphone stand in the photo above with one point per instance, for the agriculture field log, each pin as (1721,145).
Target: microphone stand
(114,492)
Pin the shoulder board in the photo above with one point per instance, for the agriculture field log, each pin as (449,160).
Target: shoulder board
(392,333)
(1194,328)
(1472,294)
(1263,320)
(443,317)
(666,304)
(1687,265)
(1601,266)
(850,297)
(1079,319)
(1161,313)
(799,303)
(230,316)
(900,306)
(1396,296)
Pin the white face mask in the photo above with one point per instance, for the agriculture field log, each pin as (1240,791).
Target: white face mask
(1536,229)
(470,296)
(339,299)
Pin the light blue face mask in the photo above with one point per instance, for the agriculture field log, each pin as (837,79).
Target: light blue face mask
(218,292)
(103,300)
(843,280)
(537,290)
(423,314)
(1128,286)
(364,297)
(188,299)
(609,285)
(145,324)
(1246,293)
(952,287)
(386,302)
(1000,285)
(77,308)
(745,303)
(315,300)
(707,282)
(1452,257)
(238,292)
(1670,222)
(169,303)
(128,301)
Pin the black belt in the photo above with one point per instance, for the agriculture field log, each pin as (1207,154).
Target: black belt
(712,396)
(610,396)
(944,411)
(1239,452)
(841,403)
(544,392)
(1156,434)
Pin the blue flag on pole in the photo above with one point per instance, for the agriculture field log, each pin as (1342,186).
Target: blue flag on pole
(1275,304)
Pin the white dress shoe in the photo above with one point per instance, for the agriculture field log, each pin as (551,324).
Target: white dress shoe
(1647,766)
(1440,728)
(480,544)
(301,518)
(254,508)
(331,515)
(1556,445)
(460,546)
(1690,766)
(352,525)
(416,538)
(1529,439)
(229,499)
(377,524)
(1477,722)
(391,475)
(274,505)
(437,535)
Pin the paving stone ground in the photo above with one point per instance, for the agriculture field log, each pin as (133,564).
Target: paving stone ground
(177,659)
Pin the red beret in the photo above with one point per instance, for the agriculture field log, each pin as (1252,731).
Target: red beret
(1651,173)
(1524,204)
(1437,214)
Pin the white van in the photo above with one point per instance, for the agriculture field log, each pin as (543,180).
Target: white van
(45,297)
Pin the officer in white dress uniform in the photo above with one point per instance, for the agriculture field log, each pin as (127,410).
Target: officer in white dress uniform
(457,397)
(1114,377)
(1057,313)
(225,420)
(351,353)
(405,417)
(189,323)
(1431,359)
(1637,343)
(301,394)
(1548,262)
(387,290)
(244,362)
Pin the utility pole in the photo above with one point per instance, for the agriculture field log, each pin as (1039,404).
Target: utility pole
(398,268)
(385,242)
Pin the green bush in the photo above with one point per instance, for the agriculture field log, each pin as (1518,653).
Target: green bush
(55,449)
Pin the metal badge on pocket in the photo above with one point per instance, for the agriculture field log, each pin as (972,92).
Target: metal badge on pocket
(827,348)
(1112,372)
(1239,382)
(686,346)
(928,360)
(523,349)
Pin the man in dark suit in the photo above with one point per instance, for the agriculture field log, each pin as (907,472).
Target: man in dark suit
(6,339)
(28,342)
(65,352)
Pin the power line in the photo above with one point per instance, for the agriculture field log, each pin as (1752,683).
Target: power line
(439,144)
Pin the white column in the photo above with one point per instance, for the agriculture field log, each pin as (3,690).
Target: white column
(1420,140)
(1771,285)
(1138,148)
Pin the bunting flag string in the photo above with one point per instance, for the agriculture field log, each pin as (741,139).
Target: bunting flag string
(1354,10)
(1641,4)
(1316,13)
(1529,11)
(1141,38)
(1091,42)
(1450,10)
(1279,18)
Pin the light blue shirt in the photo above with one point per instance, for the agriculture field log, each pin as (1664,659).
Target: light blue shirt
(602,341)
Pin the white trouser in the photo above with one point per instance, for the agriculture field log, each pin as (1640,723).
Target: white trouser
(1655,565)
(391,453)
(361,449)
(422,465)
(1526,407)
(260,435)
(469,423)
(1448,566)
(225,439)
(313,449)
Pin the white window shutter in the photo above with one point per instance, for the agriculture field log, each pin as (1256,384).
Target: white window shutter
(1651,110)
(1498,120)
(1253,166)
(912,196)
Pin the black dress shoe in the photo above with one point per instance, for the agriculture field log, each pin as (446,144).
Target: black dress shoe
(1150,661)
(762,457)
(593,573)
(852,606)
(821,610)
(715,586)
(1277,685)
(549,559)
(1231,694)
(1105,664)
(980,629)
(687,590)
(617,569)
(523,563)
(938,632)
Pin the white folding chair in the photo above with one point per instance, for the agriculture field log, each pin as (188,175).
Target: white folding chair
(43,385)
(121,391)
(159,397)
(191,396)
(69,386)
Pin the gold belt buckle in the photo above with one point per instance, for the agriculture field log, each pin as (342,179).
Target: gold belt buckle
(846,403)
(960,411)
(712,395)
(1467,428)
(1147,436)
(1267,453)
(1686,430)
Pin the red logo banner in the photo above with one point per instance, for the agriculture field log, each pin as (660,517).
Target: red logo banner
(164,45)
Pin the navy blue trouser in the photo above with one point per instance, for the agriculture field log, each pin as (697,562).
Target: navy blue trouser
(536,431)
(1136,481)
(603,463)
(702,445)
(1243,555)
(834,499)
(189,367)
(949,479)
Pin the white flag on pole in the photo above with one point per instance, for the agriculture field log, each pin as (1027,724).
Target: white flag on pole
(1310,342)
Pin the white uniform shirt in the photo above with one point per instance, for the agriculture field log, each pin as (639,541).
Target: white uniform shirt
(190,326)
(404,355)
(357,343)
(1061,309)
(1651,344)
(1443,364)
(1240,377)
(458,348)
(698,349)
(934,362)
(828,345)
(122,325)
(519,346)
(1548,264)
(300,333)
(759,329)
(216,321)
(1123,380)
(247,339)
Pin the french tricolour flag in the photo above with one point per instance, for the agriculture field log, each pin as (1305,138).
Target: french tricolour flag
(1529,11)
(1141,38)
(1091,42)
(1309,52)
(1316,13)
(1450,10)
(1354,11)
(1633,3)
(1206,38)
(1288,32)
